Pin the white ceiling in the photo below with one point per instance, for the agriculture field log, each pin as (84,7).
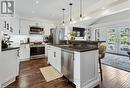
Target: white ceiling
(52,9)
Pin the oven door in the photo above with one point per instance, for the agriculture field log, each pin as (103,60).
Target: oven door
(37,51)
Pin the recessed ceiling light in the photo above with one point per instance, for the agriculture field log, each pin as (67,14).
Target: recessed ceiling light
(87,17)
(73,22)
(106,12)
(33,12)
(116,0)
(103,8)
(37,2)
(81,18)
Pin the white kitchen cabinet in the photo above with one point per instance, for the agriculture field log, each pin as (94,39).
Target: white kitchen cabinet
(54,57)
(46,49)
(0,70)
(24,52)
(1,27)
(50,55)
(10,66)
(57,52)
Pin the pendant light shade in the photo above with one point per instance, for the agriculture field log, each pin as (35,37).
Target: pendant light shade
(81,7)
(63,16)
(70,12)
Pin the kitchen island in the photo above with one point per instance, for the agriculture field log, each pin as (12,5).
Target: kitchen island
(78,63)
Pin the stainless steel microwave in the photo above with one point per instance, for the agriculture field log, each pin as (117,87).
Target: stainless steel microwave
(36,30)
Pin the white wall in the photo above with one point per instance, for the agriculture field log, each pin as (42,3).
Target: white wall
(1,27)
(17,39)
(69,28)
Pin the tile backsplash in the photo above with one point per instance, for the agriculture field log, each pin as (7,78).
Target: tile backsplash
(36,38)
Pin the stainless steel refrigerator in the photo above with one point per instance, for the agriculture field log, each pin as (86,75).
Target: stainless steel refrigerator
(57,34)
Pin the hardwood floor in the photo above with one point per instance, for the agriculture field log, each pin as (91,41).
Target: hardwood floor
(31,77)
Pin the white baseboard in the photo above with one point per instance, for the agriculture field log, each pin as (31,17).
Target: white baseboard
(25,59)
(8,82)
(93,84)
(38,56)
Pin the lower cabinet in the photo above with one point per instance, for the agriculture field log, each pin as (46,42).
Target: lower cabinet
(57,54)
(24,52)
(54,57)
(0,70)
(10,66)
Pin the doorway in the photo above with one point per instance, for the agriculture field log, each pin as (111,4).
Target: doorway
(117,39)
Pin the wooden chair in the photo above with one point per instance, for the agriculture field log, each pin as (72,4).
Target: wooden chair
(102,50)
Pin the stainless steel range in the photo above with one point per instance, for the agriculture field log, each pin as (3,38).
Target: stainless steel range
(37,51)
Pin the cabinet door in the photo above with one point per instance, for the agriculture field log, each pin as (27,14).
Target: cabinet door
(27,51)
(0,70)
(58,59)
(53,59)
(46,49)
(22,52)
(50,55)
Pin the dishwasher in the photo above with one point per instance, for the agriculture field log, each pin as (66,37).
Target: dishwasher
(67,64)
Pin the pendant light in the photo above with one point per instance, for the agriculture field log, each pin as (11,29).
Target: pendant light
(63,17)
(81,15)
(70,12)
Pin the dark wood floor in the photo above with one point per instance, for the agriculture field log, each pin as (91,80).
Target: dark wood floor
(31,77)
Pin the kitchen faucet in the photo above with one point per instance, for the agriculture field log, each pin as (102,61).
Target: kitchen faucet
(67,39)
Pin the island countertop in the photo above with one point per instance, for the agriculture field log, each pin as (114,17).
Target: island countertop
(78,48)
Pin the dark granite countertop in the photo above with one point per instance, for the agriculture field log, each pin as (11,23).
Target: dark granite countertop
(10,48)
(81,41)
(78,48)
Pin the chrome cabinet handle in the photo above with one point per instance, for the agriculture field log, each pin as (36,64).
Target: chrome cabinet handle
(54,54)
(18,51)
